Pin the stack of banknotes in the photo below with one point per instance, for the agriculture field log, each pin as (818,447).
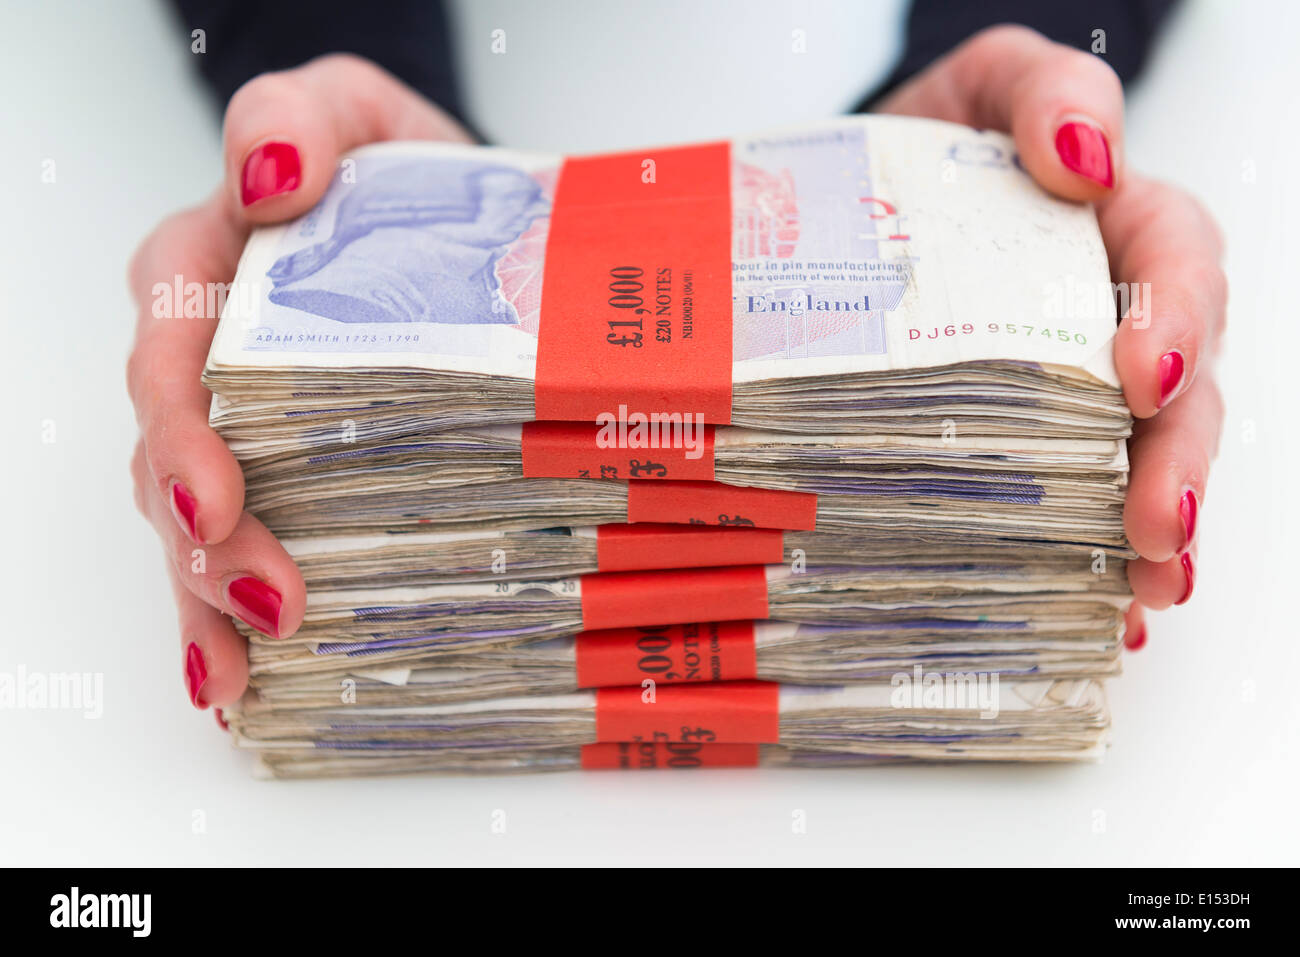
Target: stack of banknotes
(805,449)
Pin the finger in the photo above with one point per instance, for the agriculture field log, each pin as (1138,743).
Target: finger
(285,132)
(214,656)
(170,276)
(1169,460)
(1165,252)
(1064,107)
(249,575)
(1158,585)
(1135,627)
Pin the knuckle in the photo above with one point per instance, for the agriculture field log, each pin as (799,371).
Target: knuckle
(370,88)
(180,563)
(138,373)
(1199,462)
(142,270)
(138,487)
(992,45)
(280,85)
(346,64)
(1214,396)
(134,375)
(138,265)
(1161,195)
(1216,231)
(149,376)
(149,263)
(1089,68)
(138,459)
(1165,195)
(1216,284)
(130,370)
(1205,221)
(1002,35)
(189,565)
(1144,206)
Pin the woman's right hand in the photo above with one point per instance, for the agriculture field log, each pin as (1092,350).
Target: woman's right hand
(1065,109)
(284,134)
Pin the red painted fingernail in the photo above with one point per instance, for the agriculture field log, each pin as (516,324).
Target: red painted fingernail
(271,169)
(256,603)
(1189,572)
(221,719)
(1187,511)
(196,674)
(1083,149)
(1171,375)
(1136,641)
(186,510)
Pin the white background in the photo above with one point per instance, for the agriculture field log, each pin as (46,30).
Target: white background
(1203,767)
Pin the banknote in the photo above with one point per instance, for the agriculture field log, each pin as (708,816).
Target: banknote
(1028,469)
(970,717)
(873,274)
(1065,594)
(310,762)
(1077,513)
(979,487)
(781,651)
(410,556)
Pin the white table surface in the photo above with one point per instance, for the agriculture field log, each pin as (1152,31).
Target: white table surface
(1203,767)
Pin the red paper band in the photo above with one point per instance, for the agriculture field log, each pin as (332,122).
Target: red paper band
(626,755)
(636,297)
(634,547)
(669,654)
(673,597)
(731,712)
(574,450)
(712,503)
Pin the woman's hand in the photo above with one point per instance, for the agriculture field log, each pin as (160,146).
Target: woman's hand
(1065,109)
(284,134)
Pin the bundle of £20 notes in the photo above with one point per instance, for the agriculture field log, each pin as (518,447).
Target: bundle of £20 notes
(803,449)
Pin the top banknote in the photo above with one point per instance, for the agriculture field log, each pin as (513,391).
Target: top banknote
(826,278)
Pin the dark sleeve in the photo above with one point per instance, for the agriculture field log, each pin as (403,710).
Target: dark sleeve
(936,26)
(408,38)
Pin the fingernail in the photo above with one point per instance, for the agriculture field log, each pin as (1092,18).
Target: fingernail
(222,723)
(196,674)
(186,510)
(1189,572)
(1084,150)
(1187,511)
(1171,376)
(1135,641)
(270,169)
(256,604)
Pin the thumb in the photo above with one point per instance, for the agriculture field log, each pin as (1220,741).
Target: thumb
(1064,107)
(285,132)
